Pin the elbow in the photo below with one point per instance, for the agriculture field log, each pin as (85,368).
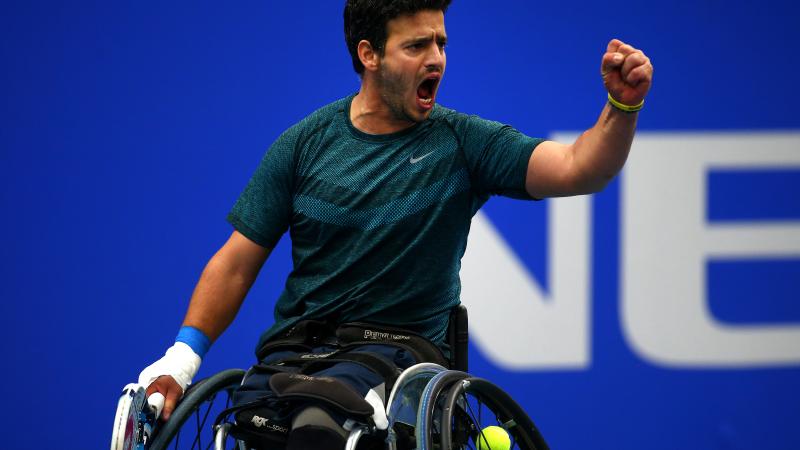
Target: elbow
(592,183)
(599,183)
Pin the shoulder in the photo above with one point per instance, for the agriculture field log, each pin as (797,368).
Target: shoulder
(322,117)
(299,134)
(464,124)
(456,118)
(443,114)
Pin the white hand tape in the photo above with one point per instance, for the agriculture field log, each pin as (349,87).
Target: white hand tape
(180,362)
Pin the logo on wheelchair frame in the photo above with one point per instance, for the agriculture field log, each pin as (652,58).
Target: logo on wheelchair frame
(261,422)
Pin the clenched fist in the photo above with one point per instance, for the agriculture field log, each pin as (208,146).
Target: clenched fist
(627,73)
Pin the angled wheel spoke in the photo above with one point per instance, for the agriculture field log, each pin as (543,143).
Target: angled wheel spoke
(202,423)
(475,404)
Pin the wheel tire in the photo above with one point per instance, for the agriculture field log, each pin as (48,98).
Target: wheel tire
(197,394)
(507,412)
(428,403)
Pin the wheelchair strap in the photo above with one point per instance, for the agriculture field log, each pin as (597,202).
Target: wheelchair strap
(333,392)
(358,333)
(307,334)
(314,362)
(378,364)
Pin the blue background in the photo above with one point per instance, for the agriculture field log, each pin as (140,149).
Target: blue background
(127,130)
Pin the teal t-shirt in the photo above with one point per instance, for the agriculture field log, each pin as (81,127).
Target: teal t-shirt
(378,223)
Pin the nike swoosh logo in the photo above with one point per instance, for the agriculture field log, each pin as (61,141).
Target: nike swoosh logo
(416,160)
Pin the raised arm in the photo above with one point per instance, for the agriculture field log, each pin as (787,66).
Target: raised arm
(595,158)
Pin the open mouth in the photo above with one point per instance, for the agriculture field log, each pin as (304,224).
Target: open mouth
(426,91)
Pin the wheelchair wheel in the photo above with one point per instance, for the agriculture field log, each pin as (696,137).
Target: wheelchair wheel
(189,427)
(429,417)
(472,404)
(403,404)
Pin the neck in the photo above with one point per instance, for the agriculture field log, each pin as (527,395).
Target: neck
(370,114)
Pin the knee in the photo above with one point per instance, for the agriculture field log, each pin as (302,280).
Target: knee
(313,428)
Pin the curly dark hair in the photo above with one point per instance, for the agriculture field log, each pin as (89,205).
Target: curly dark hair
(367,19)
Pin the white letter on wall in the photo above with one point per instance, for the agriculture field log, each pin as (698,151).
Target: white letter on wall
(666,242)
(514,323)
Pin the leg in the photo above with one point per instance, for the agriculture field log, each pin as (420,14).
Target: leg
(313,428)
(302,403)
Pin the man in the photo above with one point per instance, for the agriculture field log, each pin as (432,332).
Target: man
(377,191)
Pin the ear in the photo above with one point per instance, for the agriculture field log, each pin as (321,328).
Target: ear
(368,56)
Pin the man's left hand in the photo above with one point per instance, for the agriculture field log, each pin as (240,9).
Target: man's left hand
(627,73)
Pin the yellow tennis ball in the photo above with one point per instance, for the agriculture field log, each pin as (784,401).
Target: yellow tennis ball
(493,438)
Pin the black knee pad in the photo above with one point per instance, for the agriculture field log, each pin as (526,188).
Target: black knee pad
(311,437)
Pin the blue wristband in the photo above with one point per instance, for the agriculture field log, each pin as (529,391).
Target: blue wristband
(195,339)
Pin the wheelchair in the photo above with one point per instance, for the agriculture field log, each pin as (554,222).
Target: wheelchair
(430,407)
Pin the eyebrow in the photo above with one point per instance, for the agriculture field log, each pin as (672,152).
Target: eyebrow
(441,39)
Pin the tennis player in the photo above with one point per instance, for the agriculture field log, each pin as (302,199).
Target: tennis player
(377,191)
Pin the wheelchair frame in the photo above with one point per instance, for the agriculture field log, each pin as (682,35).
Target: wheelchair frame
(444,395)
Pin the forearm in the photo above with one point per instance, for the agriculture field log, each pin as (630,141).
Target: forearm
(223,286)
(215,302)
(595,158)
(600,152)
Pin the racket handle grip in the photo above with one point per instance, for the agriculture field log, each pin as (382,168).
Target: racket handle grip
(156,403)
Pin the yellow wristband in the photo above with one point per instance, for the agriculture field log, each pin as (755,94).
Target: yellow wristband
(624,107)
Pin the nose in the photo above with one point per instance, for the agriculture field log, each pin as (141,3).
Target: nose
(435,57)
